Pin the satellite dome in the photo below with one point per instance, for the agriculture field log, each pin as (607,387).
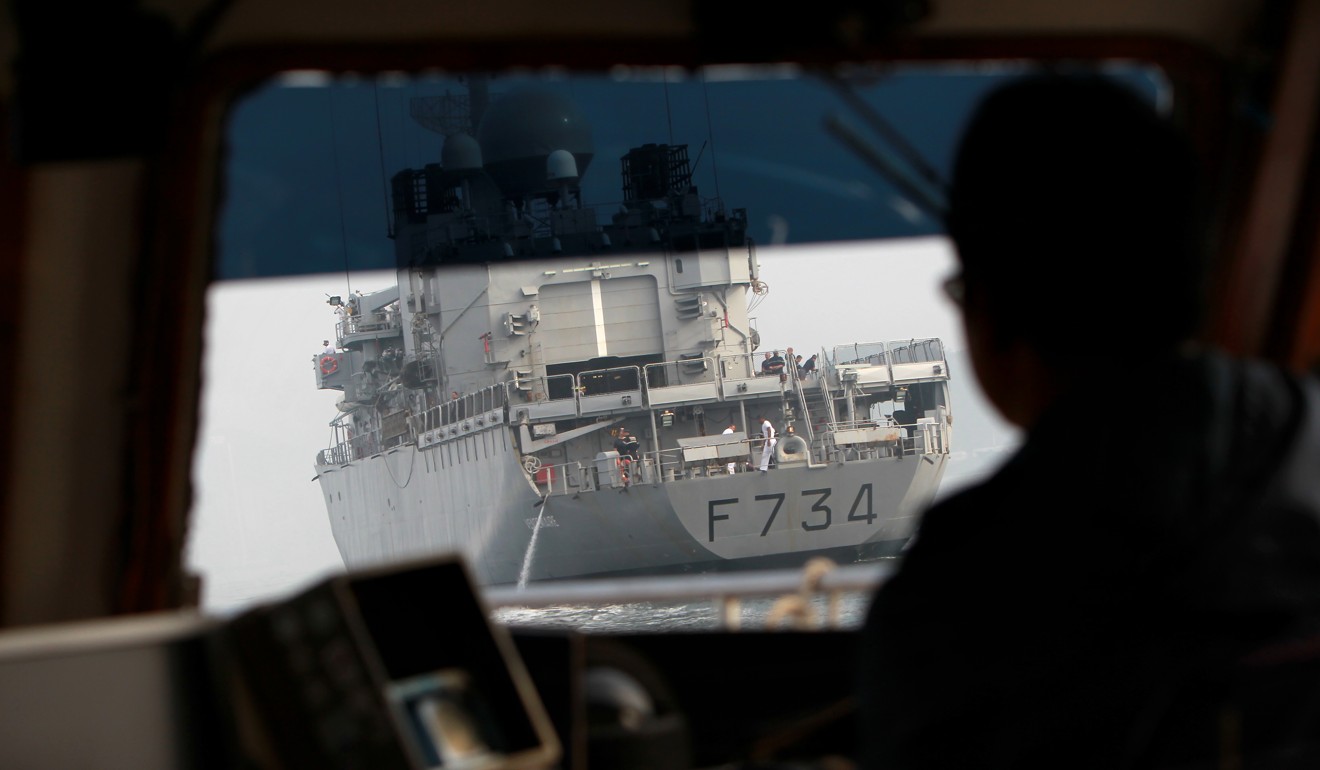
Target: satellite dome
(460,153)
(560,165)
(521,129)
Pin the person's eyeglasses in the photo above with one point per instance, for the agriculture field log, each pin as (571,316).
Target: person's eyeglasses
(955,289)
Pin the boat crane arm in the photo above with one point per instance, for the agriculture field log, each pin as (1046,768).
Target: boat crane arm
(530,444)
(461,313)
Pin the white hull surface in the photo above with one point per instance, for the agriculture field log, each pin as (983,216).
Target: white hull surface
(473,496)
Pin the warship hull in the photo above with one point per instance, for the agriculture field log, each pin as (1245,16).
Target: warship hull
(556,392)
(474,496)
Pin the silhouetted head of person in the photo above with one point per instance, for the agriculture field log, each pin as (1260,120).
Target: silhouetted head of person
(1074,210)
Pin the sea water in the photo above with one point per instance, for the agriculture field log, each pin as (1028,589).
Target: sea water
(692,615)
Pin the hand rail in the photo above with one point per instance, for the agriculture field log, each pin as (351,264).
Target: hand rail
(355,448)
(822,382)
(915,351)
(466,406)
(636,379)
(867,353)
(560,473)
(541,389)
(791,368)
(636,382)
(708,371)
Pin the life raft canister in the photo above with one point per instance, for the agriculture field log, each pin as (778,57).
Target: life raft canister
(329,364)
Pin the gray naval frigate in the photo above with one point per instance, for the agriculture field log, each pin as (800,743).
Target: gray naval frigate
(556,400)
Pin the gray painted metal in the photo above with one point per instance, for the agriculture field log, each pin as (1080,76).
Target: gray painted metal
(486,438)
(473,496)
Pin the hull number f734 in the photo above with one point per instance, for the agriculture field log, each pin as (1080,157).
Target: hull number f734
(819,516)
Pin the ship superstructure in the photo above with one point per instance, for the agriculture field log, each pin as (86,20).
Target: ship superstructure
(554,401)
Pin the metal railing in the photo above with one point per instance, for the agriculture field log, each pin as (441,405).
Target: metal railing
(608,390)
(458,410)
(678,468)
(570,478)
(355,448)
(367,322)
(684,381)
(927,437)
(739,366)
(860,354)
(563,479)
(915,351)
(554,387)
(823,382)
(659,465)
(628,388)
(740,377)
(540,398)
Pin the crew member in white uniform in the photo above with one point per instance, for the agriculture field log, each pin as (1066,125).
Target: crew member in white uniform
(732,466)
(767,433)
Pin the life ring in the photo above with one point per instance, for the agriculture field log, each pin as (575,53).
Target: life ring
(329,364)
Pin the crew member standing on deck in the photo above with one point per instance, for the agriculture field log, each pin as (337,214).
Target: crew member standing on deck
(632,447)
(625,445)
(768,447)
(329,349)
(728,431)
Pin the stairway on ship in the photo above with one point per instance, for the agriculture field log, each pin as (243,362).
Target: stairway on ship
(814,412)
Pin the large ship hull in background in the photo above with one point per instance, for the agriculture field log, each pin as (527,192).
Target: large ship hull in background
(474,495)
(470,477)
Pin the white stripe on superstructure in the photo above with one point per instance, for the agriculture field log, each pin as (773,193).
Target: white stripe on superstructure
(598,309)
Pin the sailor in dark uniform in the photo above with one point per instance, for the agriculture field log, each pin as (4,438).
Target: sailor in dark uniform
(629,449)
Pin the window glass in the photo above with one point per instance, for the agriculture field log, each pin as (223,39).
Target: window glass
(343,196)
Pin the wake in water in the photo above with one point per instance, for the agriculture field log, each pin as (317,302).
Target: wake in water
(531,546)
(692,615)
